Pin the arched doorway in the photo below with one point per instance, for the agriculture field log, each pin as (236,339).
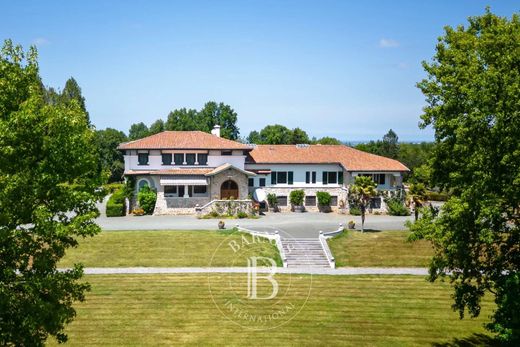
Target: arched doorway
(228,190)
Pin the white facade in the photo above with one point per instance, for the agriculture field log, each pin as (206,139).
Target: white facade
(215,159)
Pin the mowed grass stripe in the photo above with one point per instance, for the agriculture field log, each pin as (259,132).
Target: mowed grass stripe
(347,310)
(194,248)
(379,249)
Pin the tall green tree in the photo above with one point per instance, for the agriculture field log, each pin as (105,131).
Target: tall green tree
(138,131)
(157,127)
(182,119)
(72,91)
(390,145)
(299,136)
(472,92)
(327,140)
(48,177)
(361,193)
(221,114)
(112,161)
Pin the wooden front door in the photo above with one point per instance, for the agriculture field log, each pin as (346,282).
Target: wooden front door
(229,190)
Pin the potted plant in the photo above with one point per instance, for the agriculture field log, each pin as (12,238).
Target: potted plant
(296,199)
(221,224)
(351,224)
(323,201)
(272,201)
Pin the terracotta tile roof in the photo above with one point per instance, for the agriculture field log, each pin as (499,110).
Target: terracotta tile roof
(351,159)
(186,171)
(226,166)
(183,140)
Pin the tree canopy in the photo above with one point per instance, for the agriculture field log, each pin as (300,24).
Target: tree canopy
(111,158)
(472,92)
(281,135)
(48,175)
(360,194)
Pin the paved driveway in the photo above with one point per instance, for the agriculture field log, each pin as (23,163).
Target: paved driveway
(297,225)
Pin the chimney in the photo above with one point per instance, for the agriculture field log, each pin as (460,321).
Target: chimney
(216,130)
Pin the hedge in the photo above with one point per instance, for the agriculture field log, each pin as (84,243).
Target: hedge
(437,196)
(116,204)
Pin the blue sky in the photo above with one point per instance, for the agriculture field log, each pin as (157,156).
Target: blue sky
(334,68)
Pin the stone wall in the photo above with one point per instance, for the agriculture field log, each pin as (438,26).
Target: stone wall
(223,207)
(341,193)
(230,174)
(177,206)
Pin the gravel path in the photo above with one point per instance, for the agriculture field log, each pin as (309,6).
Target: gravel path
(312,271)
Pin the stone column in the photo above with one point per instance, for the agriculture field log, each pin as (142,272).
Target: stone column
(186,192)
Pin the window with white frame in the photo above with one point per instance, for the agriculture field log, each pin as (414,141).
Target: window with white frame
(332,177)
(282,177)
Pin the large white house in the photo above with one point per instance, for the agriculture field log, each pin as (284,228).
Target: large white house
(190,169)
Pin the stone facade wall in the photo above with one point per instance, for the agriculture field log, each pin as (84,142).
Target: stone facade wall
(341,193)
(177,206)
(231,207)
(231,174)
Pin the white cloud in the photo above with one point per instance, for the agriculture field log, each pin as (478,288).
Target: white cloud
(40,41)
(388,43)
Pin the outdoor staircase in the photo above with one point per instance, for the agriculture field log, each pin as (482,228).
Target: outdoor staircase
(304,253)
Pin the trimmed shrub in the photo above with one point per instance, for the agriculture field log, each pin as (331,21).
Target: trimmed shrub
(355,211)
(147,198)
(242,214)
(324,198)
(112,187)
(116,204)
(296,197)
(397,208)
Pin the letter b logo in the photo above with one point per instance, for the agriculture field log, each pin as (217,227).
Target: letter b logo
(253,276)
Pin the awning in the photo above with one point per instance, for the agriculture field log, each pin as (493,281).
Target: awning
(184,181)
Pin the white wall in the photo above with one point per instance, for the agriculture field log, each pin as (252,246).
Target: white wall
(299,171)
(155,161)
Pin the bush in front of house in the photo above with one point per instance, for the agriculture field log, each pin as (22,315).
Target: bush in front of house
(146,199)
(355,211)
(436,196)
(116,204)
(296,197)
(324,200)
(272,200)
(395,207)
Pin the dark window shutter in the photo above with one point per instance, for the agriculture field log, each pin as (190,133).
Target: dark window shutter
(325,177)
(340,177)
(273,177)
(307,177)
(291,177)
(314,177)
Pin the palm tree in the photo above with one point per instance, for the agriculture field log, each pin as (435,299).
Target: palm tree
(361,192)
(417,195)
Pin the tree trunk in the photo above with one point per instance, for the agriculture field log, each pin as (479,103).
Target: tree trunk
(362,219)
(416,211)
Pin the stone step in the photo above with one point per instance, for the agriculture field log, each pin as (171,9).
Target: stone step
(305,253)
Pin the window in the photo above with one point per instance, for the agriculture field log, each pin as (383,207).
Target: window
(379,178)
(178,158)
(251,182)
(170,190)
(310,200)
(142,158)
(200,189)
(190,158)
(282,200)
(227,153)
(282,177)
(375,202)
(333,201)
(166,158)
(202,159)
(143,183)
(262,182)
(310,177)
(332,177)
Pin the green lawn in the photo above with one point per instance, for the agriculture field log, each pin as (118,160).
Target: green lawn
(135,310)
(166,249)
(384,248)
